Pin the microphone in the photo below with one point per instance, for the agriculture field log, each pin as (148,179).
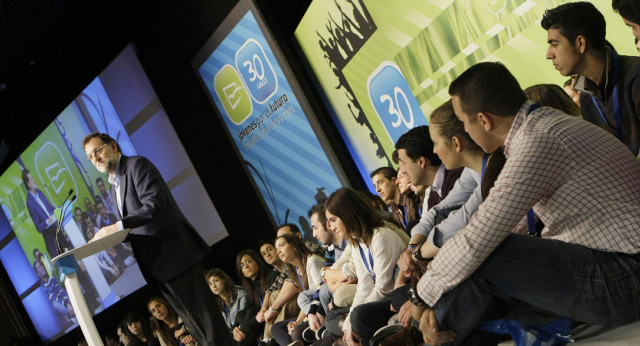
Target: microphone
(62,212)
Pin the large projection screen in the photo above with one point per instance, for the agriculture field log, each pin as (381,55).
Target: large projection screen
(266,117)
(122,103)
(384,66)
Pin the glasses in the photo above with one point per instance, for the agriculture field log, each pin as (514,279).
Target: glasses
(96,151)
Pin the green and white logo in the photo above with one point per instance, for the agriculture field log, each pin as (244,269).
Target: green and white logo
(233,95)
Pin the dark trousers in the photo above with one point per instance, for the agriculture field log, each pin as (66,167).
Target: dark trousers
(191,297)
(49,235)
(367,318)
(546,275)
(246,321)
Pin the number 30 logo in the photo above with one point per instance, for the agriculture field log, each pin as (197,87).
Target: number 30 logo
(393,100)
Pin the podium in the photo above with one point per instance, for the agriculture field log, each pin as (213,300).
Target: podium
(67,265)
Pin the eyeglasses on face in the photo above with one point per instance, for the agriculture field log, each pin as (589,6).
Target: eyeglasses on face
(95,152)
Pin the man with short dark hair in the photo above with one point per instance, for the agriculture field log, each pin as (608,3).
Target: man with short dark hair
(561,167)
(609,84)
(629,10)
(166,246)
(41,212)
(424,167)
(405,211)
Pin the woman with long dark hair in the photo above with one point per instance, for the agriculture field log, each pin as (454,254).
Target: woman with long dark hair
(138,331)
(167,323)
(375,248)
(256,278)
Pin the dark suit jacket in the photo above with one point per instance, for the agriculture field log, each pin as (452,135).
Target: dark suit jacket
(163,241)
(38,215)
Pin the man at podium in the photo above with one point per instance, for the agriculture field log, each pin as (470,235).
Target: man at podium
(166,246)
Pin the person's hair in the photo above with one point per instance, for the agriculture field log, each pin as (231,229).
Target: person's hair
(106,139)
(133,340)
(131,317)
(394,156)
(25,178)
(111,334)
(302,252)
(319,209)
(577,18)
(165,332)
(293,227)
(263,242)
(448,126)
(551,95)
(76,208)
(387,172)
(488,87)
(417,142)
(357,214)
(97,200)
(566,84)
(628,9)
(229,284)
(263,275)
(99,179)
(376,201)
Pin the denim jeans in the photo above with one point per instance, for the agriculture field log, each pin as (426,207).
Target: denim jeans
(546,275)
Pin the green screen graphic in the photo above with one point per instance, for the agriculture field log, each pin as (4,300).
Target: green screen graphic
(431,42)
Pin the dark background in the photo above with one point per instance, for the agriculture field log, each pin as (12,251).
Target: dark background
(49,52)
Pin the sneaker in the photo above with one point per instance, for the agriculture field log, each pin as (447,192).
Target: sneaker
(309,335)
(322,333)
(296,343)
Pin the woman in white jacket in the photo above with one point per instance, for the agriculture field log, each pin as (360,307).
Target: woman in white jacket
(375,248)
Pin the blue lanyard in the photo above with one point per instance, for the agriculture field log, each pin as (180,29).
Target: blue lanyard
(364,260)
(485,159)
(616,103)
(228,313)
(260,297)
(300,280)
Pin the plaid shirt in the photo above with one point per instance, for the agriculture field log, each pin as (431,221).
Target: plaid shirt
(581,181)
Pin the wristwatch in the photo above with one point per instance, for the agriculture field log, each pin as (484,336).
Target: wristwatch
(418,255)
(414,298)
(322,273)
(273,310)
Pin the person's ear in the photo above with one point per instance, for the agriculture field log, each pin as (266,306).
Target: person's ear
(457,143)
(422,162)
(581,44)
(394,180)
(486,120)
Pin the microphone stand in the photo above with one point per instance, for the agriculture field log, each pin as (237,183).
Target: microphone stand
(63,210)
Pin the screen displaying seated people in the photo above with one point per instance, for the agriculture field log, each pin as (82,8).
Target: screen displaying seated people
(52,195)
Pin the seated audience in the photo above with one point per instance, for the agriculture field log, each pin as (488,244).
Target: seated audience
(571,166)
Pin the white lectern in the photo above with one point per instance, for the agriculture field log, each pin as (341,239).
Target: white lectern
(67,265)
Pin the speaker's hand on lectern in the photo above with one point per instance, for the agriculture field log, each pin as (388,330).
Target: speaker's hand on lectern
(105,231)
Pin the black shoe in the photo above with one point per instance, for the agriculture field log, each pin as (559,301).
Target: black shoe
(309,335)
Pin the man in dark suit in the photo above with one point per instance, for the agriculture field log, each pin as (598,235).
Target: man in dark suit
(166,246)
(41,212)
